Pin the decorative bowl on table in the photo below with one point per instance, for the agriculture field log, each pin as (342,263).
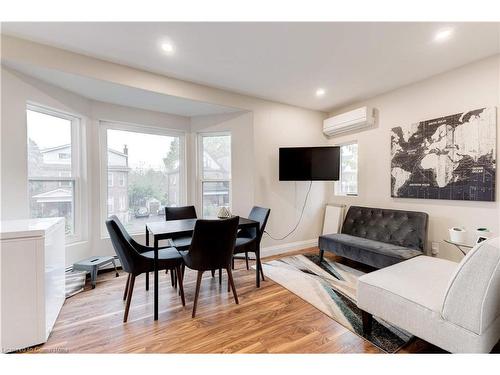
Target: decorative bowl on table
(224,213)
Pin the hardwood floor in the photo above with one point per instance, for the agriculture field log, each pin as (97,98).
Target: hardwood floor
(267,320)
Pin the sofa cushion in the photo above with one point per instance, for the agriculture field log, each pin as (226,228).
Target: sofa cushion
(473,296)
(422,280)
(410,295)
(374,253)
(401,228)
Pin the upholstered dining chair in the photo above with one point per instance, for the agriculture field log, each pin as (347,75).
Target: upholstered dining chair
(248,240)
(180,242)
(137,259)
(212,248)
(180,213)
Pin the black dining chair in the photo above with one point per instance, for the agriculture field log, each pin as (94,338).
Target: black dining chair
(140,249)
(248,240)
(181,242)
(212,248)
(137,259)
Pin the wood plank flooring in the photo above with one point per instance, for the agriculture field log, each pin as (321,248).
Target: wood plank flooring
(268,320)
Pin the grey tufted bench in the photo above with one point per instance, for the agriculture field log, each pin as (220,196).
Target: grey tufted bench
(378,237)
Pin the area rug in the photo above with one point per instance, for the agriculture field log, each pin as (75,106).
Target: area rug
(331,288)
(75,282)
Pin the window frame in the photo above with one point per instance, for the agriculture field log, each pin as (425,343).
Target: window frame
(199,168)
(104,126)
(338,184)
(77,163)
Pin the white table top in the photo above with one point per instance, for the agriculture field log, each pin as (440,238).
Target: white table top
(27,227)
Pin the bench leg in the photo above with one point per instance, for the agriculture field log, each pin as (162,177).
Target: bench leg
(321,253)
(93,276)
(367,322)
(114,265)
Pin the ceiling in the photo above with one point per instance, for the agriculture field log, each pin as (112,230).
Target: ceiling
(122,95)
(284,62)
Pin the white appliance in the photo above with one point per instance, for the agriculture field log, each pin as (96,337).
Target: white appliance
(357,119)
(32,280)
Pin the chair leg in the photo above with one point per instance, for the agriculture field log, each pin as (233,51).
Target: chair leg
(246,260)
(232,263)
(172,277)
(147,280)
(367,322)
(230,278)
(126,287)
(321,253)
(220,276)
(261,270)
(175,278)
(181,288)
(213,273)
(129,297)
(197,292)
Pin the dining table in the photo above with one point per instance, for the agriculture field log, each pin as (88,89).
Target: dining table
(164,230)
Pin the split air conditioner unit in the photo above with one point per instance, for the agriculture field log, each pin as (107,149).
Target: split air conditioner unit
(357,119)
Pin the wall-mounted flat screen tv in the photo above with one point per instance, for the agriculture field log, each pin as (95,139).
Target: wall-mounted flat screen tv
(309,163)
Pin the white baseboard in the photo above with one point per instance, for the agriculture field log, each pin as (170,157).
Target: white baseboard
(288,247)
(264,252)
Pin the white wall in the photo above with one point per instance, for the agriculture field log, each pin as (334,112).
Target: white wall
(274,125)
(19,89)
(473,86)
(279,125)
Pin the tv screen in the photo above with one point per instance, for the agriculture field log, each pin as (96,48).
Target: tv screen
(309,163)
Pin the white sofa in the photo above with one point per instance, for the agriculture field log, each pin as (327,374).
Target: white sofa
(455,306)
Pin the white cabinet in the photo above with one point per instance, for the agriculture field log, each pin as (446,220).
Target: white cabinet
(32,280)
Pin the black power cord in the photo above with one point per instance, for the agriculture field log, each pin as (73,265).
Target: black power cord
(298,222)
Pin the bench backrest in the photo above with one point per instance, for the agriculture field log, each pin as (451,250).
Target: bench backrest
(401,228)
(472,300)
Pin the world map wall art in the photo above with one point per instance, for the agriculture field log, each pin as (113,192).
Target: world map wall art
(451,157)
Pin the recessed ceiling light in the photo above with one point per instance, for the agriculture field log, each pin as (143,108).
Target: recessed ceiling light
(443,35)
(320,92)
(167,47)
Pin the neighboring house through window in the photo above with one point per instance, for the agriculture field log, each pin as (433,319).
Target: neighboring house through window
(143,166)
(348,182)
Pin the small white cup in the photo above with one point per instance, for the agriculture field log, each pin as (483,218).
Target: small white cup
(458,235)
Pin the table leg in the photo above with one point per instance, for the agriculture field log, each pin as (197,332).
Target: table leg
(257,266)
(156,278)
(147,237)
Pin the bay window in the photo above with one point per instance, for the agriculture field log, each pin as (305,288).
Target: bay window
(214,155)
(145,171)
(53,166)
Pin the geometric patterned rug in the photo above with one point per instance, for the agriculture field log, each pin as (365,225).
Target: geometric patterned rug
(331,288)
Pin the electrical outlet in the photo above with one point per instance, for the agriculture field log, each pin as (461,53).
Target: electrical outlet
(435,248)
